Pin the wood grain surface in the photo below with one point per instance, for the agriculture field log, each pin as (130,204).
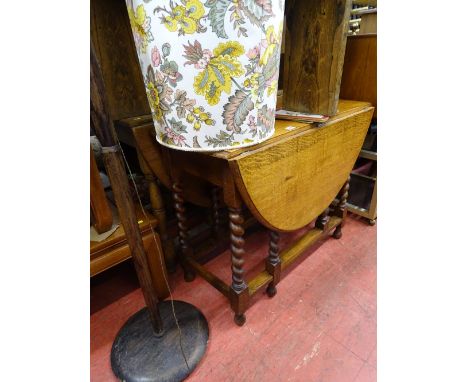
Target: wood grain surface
(284,129)
(113,41)
(359,79)
(368,22)
(288,184)
(100,209)
(313,61)
(113,162)
(115,249)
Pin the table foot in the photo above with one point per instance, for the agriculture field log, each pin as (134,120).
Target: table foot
(239,319)
(337,233)
(271,290)
(189,275)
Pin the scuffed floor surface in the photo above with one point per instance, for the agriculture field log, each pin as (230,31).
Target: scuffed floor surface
(320,327)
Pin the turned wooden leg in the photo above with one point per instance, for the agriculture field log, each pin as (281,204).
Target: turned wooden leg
(215,204)
(157,207)
(273,263)
(341,208)
(158,210)
(239,290)
(323,219)
(177,190)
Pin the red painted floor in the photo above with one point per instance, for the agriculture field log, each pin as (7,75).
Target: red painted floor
(320,327)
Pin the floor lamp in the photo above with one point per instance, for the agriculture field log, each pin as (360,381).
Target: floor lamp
(165,340)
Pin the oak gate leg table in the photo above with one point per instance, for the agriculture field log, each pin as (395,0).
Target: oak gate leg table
(286,182)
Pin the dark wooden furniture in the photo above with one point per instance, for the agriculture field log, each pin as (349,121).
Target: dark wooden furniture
(112,38)
(115,249)
(150,343)
(101,214)
(139,133)
(369,212)
(285,182)
(112,158)
(359,82)
(314,51)
(111,33)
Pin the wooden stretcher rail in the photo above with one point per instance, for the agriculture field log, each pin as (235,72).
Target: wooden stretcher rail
(288,256)
(208,276)
(296,249)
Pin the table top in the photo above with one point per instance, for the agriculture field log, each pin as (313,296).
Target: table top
(288,180)
(285,129)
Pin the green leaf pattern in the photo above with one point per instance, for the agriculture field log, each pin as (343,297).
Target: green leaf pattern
(211,69)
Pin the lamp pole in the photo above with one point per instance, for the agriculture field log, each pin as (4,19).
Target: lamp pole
(112,157)
(164,341)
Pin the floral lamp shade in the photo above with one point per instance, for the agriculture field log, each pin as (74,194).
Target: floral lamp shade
(210,68)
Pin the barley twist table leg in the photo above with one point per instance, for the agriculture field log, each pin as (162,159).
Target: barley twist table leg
(179,207)
(273,263)
(215,205)
(323,219)
(239,289)
(341,208)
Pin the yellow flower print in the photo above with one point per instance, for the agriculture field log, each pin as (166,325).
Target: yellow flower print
(179,12)
(154,100)
(272,41)
(185,18)
(272,88)
(217,77)
(140,24)
(219,72)
(195,9)
(170,23)
(188,25)
(230,48)
(198,116)
(253,83)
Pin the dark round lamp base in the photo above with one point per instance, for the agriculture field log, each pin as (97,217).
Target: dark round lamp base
(139,355)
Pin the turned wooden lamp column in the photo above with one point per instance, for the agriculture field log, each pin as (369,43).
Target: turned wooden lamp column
(117,175)
(165,340)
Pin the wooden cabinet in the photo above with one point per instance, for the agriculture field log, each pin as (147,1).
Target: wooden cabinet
(115,249)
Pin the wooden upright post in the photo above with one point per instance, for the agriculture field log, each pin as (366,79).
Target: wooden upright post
(119,182)
(316,33)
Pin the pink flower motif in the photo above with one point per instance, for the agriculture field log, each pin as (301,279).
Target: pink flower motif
(251,123)
(176,138)
(254,52)
(155,56)
(203,62)
(179,140)
(169,133)
(207,54)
